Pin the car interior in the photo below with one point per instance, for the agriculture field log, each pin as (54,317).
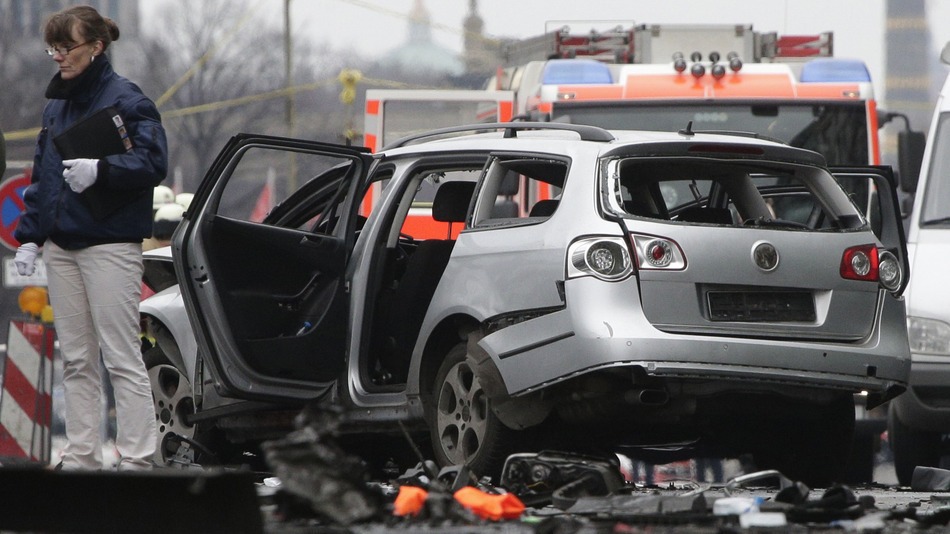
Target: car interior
(415,266)
(402,305)
(724,194)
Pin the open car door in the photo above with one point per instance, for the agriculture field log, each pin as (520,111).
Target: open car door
(261,256)
(874,190)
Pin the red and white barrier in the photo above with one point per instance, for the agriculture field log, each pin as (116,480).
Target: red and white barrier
(25,400)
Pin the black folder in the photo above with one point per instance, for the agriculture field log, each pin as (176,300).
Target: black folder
(99,135)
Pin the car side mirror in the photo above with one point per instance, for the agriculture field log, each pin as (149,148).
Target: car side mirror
(910,155)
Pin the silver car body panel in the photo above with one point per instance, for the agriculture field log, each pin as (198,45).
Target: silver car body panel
(168,308)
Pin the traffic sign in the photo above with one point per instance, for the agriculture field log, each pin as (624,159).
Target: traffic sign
(11,206)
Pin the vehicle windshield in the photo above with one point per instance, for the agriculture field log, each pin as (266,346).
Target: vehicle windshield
(935,209)
(836,130)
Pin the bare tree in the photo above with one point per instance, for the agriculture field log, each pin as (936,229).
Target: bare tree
(204,62)
(25,71)
(217,67)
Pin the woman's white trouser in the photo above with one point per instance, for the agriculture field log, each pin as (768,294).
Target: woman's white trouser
(95,295)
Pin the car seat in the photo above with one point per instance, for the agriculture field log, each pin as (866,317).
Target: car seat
(422,275)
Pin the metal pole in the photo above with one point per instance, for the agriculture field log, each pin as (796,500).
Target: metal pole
(288,69)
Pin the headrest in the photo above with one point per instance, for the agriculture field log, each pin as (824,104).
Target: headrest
(452,200)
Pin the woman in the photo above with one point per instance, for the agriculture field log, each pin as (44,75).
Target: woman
(94,261)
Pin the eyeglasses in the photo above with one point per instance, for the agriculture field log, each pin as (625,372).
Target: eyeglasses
(53,50)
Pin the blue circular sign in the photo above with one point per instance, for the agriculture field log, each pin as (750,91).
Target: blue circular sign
(11,206)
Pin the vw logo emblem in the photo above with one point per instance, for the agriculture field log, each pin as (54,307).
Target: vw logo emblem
(765,256)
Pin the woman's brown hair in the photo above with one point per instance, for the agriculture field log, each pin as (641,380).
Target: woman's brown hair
(92,26)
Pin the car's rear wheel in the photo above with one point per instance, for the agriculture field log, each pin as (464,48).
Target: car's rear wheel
(911,447)
(463,428)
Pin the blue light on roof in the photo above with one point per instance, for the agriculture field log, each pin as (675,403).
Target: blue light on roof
(575,71)
(835,70)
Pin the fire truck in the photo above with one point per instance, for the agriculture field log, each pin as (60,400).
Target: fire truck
(668,77)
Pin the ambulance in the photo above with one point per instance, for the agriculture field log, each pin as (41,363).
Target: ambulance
(919,419)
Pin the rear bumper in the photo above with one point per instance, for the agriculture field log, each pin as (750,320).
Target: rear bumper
(599,328)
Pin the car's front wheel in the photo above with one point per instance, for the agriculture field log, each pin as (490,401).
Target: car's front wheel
(463,428)
(173,398)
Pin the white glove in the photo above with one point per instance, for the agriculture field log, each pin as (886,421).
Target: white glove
(25,258)
(80,173)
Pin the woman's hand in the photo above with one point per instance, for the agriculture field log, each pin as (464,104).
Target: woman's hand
(80,173)
(25,258)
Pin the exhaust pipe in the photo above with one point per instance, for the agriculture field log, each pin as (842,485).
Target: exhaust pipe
(647,397)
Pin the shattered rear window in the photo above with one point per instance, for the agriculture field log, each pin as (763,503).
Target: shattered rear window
(729,193)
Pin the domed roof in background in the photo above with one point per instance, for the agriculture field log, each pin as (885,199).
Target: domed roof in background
(420,53)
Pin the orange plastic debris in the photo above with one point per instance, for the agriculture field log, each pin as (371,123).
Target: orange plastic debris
(409,500)
(488,505)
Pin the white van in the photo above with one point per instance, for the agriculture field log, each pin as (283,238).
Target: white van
(919,419)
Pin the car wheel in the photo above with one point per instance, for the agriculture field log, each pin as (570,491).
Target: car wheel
(173,398)
(910,447)
(463,428)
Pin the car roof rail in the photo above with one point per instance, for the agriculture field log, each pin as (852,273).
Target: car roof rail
(586,132)
(689,132)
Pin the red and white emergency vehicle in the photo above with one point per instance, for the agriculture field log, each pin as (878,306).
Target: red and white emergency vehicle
(661,77)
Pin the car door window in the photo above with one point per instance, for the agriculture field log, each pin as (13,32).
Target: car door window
(519,189)
(265,177)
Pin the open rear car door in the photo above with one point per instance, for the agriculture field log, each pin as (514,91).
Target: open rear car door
(874,190)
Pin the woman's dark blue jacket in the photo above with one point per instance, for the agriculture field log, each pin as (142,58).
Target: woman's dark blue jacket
(52,209)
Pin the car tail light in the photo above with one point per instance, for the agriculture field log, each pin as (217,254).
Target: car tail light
(859,263)
(867,262)
(889,270)
(606,258)
(654,252)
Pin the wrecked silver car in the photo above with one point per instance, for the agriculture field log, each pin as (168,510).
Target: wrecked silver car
(513,286)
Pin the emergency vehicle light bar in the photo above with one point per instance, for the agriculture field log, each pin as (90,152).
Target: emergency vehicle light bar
(835,70)
(575,71)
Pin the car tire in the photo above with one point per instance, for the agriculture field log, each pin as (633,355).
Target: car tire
(462,426)
(911,447)
(173,398)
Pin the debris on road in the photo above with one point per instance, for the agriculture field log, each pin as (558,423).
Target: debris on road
(313,469)
(316,481)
